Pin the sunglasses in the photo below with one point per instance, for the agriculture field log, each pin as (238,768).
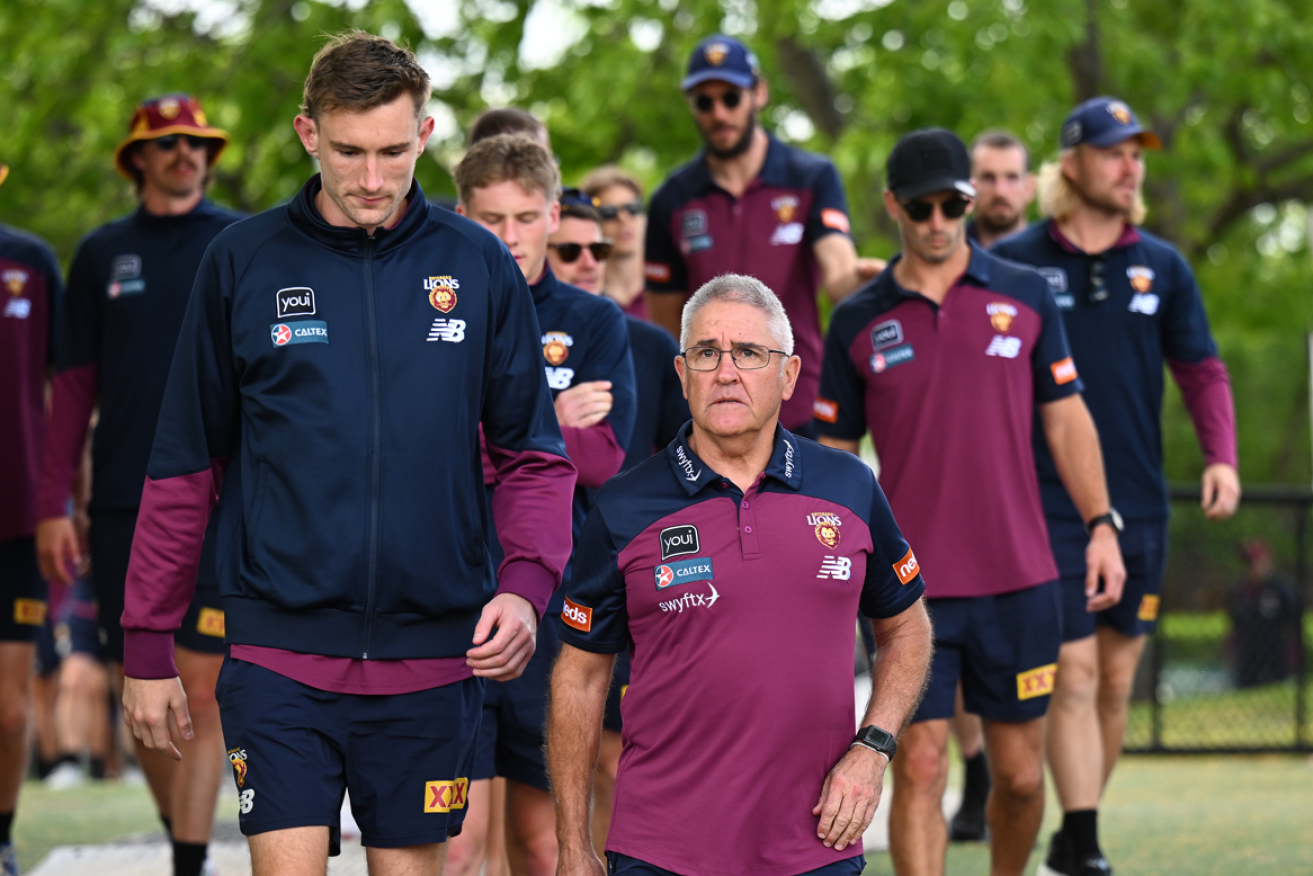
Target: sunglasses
(633,208)
(169,142)
(570,252)
(705,103)
(1098,288)
(920,211)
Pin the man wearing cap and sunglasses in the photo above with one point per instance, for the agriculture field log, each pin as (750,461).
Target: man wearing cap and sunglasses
(576,250)
(619,199)
(946,358)
(1130,304)
(751,204)
(30,292)
(128,287)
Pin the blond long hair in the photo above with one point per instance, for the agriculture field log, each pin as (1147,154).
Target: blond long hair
(1058,198)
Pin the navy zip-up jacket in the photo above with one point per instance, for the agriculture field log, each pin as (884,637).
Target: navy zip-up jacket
(340,380)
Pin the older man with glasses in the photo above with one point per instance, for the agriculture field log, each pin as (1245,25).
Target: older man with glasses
(946,359)
(1130,305)
(749,203)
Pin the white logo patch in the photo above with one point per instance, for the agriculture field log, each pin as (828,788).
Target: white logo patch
(1146,304)
(787,235)
(452,330)
(18,307)
(246,800)
(559,378)
(1008,348)
(838,568)
(1057,278)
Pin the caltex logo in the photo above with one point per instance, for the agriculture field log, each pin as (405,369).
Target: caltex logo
(281,335)
(665,577)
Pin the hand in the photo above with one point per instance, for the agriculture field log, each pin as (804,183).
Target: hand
(584,405)
(57,549)
(870,268)
(1221,491)
(508,653)
(849,797)
(1103,559)
(583,862)
(147,704)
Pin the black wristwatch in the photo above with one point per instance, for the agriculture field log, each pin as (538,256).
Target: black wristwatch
(1112,518)
(876,739)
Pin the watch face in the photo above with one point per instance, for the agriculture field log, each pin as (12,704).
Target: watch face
(1116,520)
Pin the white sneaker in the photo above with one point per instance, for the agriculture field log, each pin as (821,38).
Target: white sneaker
(209,868)
(67,775)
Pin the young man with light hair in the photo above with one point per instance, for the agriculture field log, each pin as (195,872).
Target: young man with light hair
(1130,306)
(619,200)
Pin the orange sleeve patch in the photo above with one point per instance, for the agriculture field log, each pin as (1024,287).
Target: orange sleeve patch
(836,219)
(825,410)
(907,568)
(1063,371)
(577,616)
(657,272)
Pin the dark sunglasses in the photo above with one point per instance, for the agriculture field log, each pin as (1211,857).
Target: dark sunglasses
(920,211)
(570,252)
(169,142)
(1098,288)
(633,208)
(705,103)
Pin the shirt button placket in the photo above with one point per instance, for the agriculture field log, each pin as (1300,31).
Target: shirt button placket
(748,527)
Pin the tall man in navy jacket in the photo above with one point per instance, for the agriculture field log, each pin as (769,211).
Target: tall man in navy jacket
(1129,302)
(337,359)
(510,185)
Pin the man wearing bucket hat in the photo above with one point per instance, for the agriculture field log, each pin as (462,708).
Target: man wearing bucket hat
(31,290)
(748,203)
(952,358)
(128,287)
(1130,305)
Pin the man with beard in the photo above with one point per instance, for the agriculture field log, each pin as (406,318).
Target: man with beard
(128,287)
(1130,304)
(1000,171)
(748,203)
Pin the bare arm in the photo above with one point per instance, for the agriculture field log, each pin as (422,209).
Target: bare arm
(1074,443)
(580,680)
(852,789)
(841,444)
(665,309)
(842,270)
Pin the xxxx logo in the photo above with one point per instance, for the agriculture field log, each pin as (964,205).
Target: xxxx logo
(1037,682)
(445,796)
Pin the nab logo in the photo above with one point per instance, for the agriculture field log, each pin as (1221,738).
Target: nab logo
(295,301)
(1036,682)
(450,330)
(679,540)
(1008,348)
(907,568)
(1063,371)
(282,335)
(825,410)
(577,616)
(838,568)
(445,796)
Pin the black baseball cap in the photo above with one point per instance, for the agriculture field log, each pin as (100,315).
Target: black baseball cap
(724,59)
(1104,122)
(927,161)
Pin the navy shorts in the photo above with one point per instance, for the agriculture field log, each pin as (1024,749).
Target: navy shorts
(295,749)
(1004,650)
(623,865)
(511,733)
(22,591)
(111,548)
(1144,551)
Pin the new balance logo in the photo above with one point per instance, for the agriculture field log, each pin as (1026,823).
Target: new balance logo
(451,330)
(838,568)
(1006,347)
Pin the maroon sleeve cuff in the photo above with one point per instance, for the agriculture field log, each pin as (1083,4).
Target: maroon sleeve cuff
(148,654)
(531,508)
(595,453)
(530,580)
(1206,391)
(73,397)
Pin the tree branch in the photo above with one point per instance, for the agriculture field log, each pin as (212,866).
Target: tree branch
(806,75)
(1084,58)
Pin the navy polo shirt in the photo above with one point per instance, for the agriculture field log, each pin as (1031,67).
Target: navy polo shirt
(1153,313)
(948,393)
(697,230)
(661,406)
(739,609)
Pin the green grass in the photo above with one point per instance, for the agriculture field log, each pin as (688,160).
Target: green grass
(93,813)
(1256,717)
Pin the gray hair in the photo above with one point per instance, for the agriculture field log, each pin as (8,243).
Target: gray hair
(739,289)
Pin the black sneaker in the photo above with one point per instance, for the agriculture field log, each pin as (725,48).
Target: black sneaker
(1062,861)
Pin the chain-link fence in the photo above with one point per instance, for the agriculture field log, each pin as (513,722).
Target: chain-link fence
(1228,667)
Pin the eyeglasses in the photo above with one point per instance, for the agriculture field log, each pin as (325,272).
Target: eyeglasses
(570,252)
(746,357)
(169,142)
(920,211)
(705,103)
(1098,288)
(633,208)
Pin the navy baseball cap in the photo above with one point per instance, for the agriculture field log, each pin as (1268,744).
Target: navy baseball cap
(1104,122)
(927,161)
(722,58)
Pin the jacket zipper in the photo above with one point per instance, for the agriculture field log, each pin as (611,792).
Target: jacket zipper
(375,450)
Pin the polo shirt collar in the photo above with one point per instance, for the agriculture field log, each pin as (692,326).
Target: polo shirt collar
(693,474)
(1129,237)
(977,271)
